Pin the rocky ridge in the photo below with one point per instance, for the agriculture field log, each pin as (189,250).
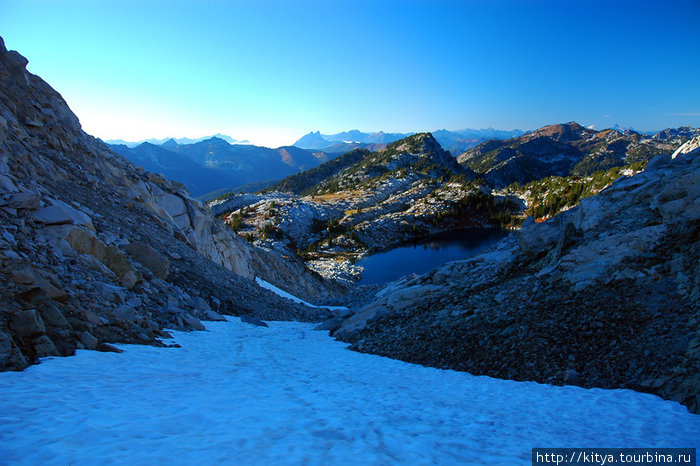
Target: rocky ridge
(94,249)
(606,294)
(567,149)
(409,190)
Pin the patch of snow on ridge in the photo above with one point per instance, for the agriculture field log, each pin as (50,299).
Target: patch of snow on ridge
(287,394)
(689,146)
(291,297)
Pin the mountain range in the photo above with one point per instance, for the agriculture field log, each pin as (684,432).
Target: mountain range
(455,142)
(367,201)
(214,164)
(566,149)
(162,141)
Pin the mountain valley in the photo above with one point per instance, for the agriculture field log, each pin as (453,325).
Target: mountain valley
(596,285)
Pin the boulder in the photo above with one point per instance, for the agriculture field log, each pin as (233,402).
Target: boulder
(153,260)
(29,201)
(215,316)
(85,242)
(92,317)
(331,325)
(112,293)
(200,304)
(11,358)
(23,275)
(60,213)
(358,321)
(54,293)
(53,317)
(43,347)
(87,339)
(571,376)
(253,321)
(127,313)
(107,348)
(27,323)
(193,322)
(92,263)
(6,350)
(535,238)
(173,205)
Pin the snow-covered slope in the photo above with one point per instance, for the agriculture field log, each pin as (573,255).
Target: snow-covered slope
(286,295)
(241,394)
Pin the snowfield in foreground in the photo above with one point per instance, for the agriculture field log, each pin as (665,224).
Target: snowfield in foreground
(243,394)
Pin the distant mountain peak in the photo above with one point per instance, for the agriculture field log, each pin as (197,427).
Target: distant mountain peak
(170,143)
(561,131)
(216,140)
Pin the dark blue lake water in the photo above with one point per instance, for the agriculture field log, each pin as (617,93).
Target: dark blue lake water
(426,254)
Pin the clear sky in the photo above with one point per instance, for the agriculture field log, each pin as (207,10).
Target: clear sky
(270,71)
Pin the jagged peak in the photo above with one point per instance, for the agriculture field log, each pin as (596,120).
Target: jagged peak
(170,143)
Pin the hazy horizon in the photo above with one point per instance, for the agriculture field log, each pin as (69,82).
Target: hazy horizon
(244,140)
(272,72)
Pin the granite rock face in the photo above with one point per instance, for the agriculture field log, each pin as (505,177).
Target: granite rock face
(96,250)
(606,295)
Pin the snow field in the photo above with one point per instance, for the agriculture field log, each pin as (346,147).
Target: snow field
(291,297)
(241,394)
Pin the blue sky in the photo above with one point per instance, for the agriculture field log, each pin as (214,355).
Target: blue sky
(271,71)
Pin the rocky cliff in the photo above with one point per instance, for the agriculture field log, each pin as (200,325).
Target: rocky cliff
(95,250)
(606,295)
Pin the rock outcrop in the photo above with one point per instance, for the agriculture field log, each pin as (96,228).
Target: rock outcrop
(94,249)
(606,295)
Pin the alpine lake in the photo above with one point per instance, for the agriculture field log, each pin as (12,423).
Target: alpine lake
(425,254)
